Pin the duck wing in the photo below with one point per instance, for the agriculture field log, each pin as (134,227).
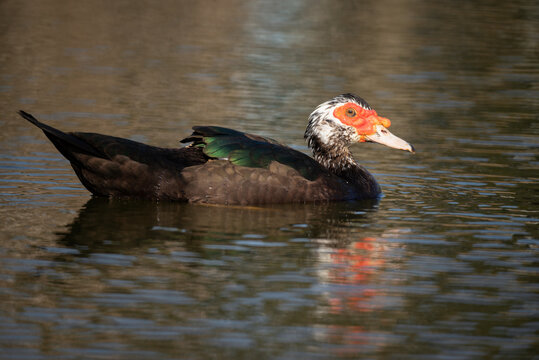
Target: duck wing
(252,151)
(249,169)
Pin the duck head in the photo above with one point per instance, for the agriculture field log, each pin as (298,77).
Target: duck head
(347,119)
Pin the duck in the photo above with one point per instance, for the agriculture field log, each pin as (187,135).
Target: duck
(218,165)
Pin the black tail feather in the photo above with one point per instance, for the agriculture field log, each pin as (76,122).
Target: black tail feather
(66,143)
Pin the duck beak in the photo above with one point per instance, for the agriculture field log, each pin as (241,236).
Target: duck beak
(385,137)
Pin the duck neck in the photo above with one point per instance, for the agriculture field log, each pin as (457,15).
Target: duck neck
(337,159)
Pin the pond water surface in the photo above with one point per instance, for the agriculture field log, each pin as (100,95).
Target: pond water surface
(443,266)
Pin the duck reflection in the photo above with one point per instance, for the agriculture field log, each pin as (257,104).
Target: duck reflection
(343,265)
(182,263)
(114,224)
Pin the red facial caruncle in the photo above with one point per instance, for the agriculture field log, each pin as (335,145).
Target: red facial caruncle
(363,120)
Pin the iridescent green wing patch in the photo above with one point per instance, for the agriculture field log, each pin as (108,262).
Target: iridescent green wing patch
(250,150)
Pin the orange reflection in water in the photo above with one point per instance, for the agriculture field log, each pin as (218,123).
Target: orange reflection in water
(353,266)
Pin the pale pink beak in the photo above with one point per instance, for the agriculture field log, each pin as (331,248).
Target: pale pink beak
(385,137)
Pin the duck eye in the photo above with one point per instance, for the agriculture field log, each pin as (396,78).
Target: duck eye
(350,112)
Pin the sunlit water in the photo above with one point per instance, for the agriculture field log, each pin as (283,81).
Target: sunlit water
(443,266)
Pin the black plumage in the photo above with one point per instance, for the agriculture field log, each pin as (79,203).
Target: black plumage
(219,165)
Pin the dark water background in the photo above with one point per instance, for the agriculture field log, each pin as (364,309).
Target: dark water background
(444,266)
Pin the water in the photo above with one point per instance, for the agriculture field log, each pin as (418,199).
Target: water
(444,266)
